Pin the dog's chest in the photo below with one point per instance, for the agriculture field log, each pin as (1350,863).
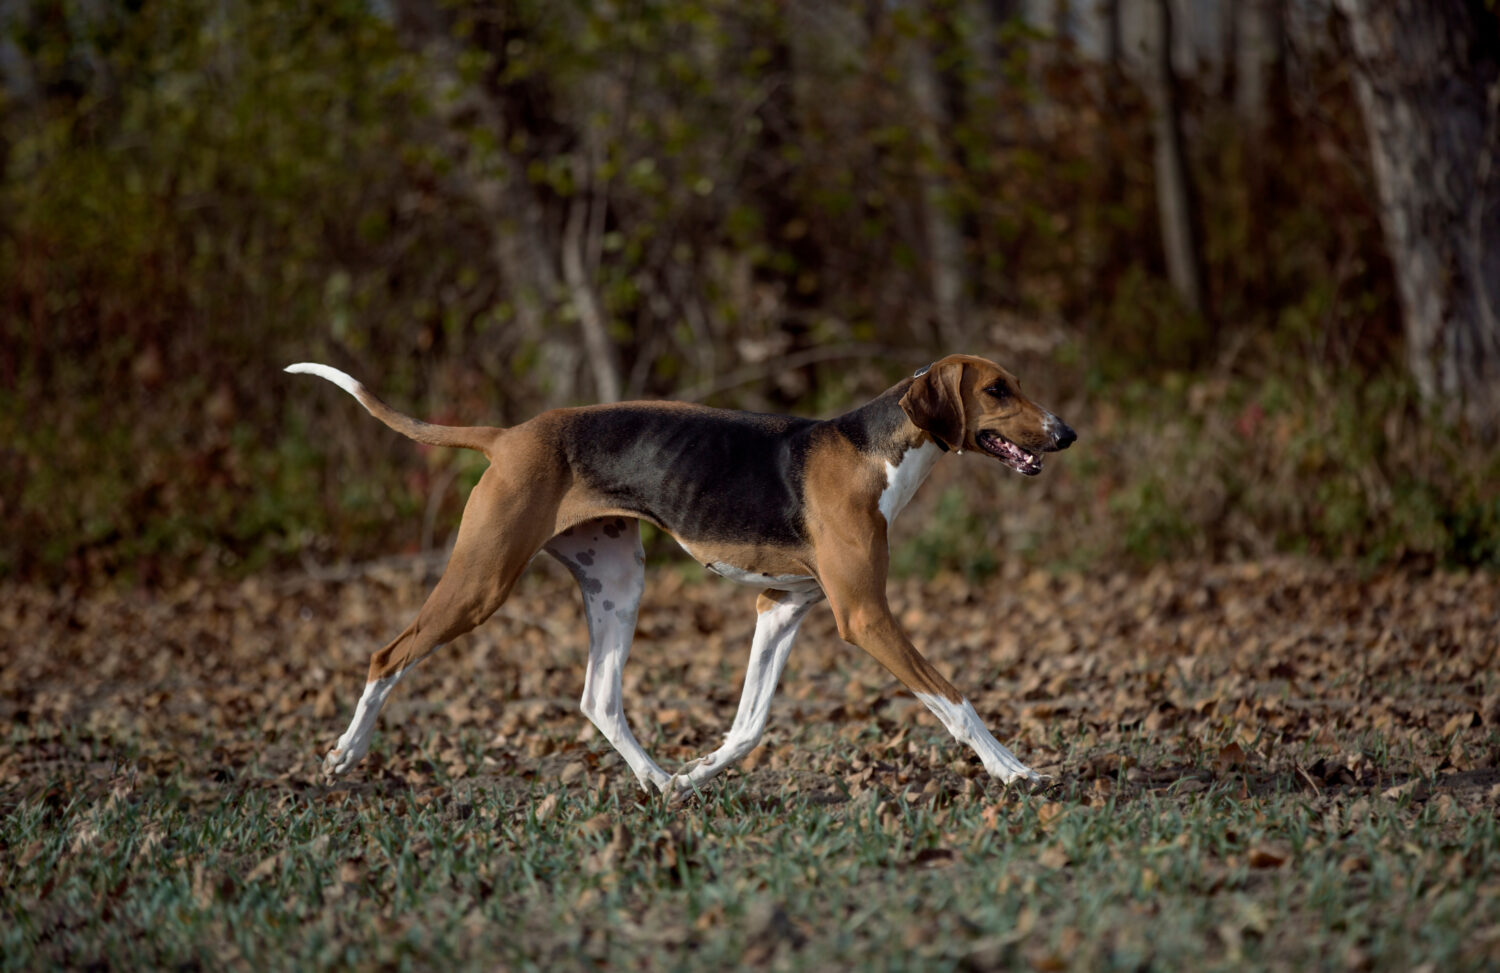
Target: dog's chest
(903,477)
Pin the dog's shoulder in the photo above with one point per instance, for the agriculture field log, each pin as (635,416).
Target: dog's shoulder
(878,428)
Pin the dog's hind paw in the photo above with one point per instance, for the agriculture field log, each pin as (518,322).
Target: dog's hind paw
(339,762)
(654,782)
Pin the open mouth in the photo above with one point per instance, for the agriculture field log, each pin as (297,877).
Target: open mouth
(1009,453)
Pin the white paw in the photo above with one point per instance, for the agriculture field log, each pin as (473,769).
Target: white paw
(340,761)
(654,780)
(679,787)
(1028,780)
(1018,773)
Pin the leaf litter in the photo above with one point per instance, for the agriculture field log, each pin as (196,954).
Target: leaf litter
(1364,694)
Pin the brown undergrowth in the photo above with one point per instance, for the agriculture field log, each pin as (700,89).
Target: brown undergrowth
(1283,670)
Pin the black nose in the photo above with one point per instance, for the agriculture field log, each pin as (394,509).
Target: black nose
(1066,437)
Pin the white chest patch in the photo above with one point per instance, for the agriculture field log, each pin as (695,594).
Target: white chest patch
(903,478)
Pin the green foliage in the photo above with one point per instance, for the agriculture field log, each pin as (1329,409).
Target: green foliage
(172,238)
(953,537)
(194,195)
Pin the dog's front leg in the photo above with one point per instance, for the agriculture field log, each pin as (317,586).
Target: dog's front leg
(875,630)
(855,583)
(355,743)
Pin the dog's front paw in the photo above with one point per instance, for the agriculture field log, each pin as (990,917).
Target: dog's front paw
(1029,781)
(687,781)
(679,788)
(1017,774)
(692,775)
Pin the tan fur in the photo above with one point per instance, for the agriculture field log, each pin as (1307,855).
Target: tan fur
(849,537)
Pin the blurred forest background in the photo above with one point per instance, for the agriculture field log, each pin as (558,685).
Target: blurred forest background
(1249,250)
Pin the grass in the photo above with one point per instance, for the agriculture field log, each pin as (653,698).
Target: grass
(447,871)
(1266,766)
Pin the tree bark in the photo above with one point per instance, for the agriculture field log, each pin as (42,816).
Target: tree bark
(1256,59)
(583,224)
(1427,76)
(945,244)
(1175,199)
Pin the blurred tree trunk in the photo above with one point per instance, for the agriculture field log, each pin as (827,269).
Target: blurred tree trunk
(580,263)
(1111,253)
(1427,75)
(946,271)
(1256,58)
(545,247)
(1257,69)
(1175,198)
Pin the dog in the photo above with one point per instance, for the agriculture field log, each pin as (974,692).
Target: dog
(798,508)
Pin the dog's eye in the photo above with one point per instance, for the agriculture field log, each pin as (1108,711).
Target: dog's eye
(999,390)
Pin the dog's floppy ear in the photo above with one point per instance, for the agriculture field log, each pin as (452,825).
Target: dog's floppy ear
(935,403)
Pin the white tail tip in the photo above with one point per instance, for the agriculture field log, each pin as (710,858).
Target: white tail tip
(341,379)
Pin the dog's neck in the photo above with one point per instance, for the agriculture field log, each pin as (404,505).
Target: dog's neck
(883,428)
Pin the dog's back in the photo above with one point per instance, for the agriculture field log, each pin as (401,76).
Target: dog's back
(702,474)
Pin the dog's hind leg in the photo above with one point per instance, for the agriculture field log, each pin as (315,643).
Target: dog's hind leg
(497,538)
(780,614)
(606,559)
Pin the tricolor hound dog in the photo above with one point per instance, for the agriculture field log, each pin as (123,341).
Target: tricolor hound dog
(796,507)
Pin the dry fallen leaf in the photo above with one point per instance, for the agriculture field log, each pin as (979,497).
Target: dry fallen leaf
(545,808)
(1415,789)
(1266,856)
(1054,857)
(1229,758)
(265,869)
(1460,722)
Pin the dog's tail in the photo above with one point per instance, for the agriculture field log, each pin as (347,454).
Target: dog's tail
(481,438)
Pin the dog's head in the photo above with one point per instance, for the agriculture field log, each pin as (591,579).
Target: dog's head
(966,402)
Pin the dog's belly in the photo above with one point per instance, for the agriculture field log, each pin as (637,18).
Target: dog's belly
(759,569)
(781,582)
